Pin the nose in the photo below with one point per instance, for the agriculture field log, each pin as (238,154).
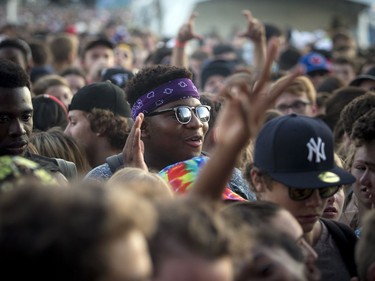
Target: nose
(331,199)
(195,122)
(67,130)
(365,178)
(289,110)
(17,128)
(314,199)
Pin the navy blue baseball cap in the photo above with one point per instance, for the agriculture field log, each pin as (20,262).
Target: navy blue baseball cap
(298,151)
(118,76)
(369,75)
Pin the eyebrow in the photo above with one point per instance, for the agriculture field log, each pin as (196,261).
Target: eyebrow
(28,110)
(360,161)
(369,164)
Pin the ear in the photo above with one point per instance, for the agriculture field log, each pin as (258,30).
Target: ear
(257,181)
(100,132)
(371,272)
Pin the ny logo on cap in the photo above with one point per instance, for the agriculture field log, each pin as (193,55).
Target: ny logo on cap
(317,148)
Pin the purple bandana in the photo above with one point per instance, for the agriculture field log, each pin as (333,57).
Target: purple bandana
(182,88)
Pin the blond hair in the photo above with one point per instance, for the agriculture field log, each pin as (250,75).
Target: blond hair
(146,184)
(301,85)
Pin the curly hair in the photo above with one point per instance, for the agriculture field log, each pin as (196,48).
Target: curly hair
(336,103)
(364,128)
(12,75)
(355,109)
(116,128)
(151,77)
(19,44)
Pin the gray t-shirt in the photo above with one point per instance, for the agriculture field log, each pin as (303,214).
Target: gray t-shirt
(330,262)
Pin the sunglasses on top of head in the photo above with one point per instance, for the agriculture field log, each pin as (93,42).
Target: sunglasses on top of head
(184,113)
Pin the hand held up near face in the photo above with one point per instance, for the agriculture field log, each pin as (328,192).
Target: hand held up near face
(133,150)
(186,31)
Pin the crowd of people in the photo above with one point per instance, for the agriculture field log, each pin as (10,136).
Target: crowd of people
(124,160)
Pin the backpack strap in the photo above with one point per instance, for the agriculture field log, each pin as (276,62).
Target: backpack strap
(115,162)
(345,240)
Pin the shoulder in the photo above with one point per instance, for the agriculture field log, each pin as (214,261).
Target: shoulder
(47,163)
(335,227)
(345,239)
(101,173)
(240,186)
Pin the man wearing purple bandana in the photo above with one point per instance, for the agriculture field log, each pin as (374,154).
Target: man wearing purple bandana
(175,122)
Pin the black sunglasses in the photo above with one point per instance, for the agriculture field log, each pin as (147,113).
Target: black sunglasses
(183,113)
(299,194)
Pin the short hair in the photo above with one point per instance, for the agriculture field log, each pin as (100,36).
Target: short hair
(160,56)
(95,42)
(289,58)
(40,52)
(73,71)
(199,55)
(189,227)
(62,46)
(298,87)
(365,251)
(341,35)
(147,184)
(254,213)
(344,60)
(274,238)
(330,84)
(20,45)
(355,109)
(151,77)
(336,103)
(272,30)
(364,128)
(55,144)
(115,127)
(43,83)
(48,112)
(74,232)
(264,177)
(12,75)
